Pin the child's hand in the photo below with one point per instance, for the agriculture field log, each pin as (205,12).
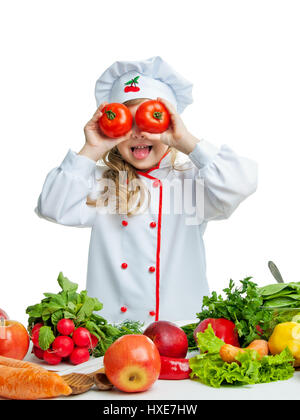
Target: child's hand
(96,143)
(177,134)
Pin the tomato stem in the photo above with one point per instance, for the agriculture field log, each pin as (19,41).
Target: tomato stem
(157,115)
(110,114)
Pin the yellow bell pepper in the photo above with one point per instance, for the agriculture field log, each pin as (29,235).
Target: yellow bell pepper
(286,334)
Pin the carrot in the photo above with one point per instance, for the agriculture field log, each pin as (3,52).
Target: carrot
(7,361)
(228,352)
(261,346)
(28,381)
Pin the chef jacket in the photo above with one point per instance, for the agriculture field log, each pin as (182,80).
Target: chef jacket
(150,266)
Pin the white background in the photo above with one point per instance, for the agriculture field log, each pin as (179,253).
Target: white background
(243,58)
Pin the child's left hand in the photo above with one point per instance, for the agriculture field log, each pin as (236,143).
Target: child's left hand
(177,134)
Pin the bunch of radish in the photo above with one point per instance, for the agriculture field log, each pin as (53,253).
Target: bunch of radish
(71,344)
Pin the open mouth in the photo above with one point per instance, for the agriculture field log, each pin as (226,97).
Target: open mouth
(141,152)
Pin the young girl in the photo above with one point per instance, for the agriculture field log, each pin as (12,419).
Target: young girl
(146,256)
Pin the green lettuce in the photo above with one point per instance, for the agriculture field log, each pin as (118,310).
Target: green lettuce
(210,369)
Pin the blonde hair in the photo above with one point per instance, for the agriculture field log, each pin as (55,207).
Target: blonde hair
(127,201)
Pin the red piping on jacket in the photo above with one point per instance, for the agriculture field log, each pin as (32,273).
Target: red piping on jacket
(146,174)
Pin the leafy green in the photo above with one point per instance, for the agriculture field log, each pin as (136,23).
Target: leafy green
(208,342)
(210,369)
(281,295)
(46,337)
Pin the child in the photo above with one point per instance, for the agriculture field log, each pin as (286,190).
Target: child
(146,256)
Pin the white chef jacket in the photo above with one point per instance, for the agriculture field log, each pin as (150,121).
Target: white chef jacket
(152,265)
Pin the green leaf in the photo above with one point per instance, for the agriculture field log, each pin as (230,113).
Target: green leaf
(68,314)
(72,307)
(35,311)
(208,342)
(279,302)
(66,284)
(86,310)
(46,337)
(57,316)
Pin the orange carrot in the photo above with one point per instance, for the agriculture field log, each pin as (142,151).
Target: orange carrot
(7,361)
(29,381)
(228,352)
(261,346)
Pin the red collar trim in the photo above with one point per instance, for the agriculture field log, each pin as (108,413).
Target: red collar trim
(154,167)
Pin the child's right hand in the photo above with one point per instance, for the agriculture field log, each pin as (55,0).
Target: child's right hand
(96,143)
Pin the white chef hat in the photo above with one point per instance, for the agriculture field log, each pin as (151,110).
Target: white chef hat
(150,78)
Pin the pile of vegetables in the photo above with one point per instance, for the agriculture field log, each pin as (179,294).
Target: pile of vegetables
(66,325)
(247,366)
(241,305)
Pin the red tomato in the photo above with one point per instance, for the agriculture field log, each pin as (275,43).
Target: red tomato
(223,329)
(116,120)
(152,116)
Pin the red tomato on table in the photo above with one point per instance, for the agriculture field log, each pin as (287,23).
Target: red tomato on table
(116,120)
(153,117)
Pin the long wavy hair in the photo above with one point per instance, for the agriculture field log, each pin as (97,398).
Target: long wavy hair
(126,200)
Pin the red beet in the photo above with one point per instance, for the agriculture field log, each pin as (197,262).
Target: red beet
(170,340)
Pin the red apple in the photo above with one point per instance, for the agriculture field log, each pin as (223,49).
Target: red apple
(14,340)
(132,363)
(3,314)
(170,340)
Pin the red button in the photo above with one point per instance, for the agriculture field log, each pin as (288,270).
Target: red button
(156,183)
(152,313)
(152,224)
(123,309)
(151,269)
(124,222)
(124,265)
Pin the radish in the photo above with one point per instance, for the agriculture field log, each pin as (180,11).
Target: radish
(94,342)
(35,337)
(39,353)
(65,326)
(79,355)
(51,358)
(37,327)
(82,337)
(63,346)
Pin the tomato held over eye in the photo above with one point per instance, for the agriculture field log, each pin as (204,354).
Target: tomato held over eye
(153,117)
(116,120)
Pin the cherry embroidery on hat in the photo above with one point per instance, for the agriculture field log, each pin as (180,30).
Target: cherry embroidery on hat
(123,309)
(131,85)
(124,222)
(124,265)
